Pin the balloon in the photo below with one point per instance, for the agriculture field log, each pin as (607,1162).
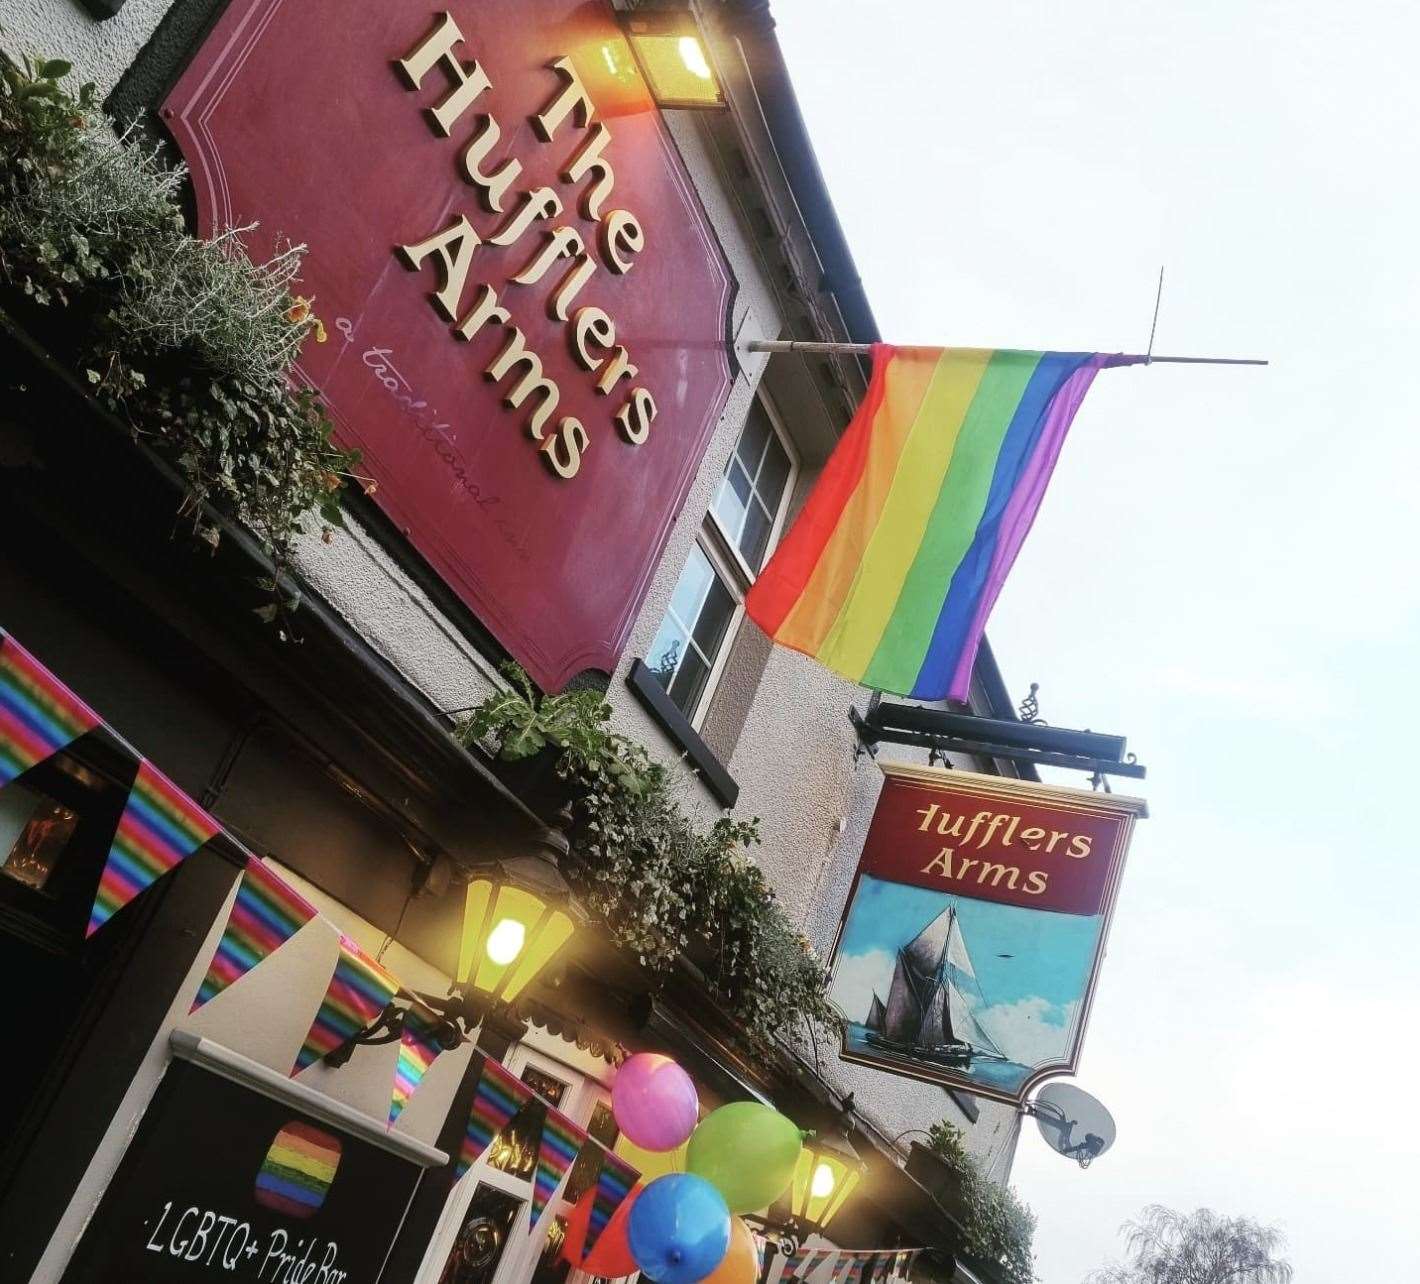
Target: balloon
(654,1101)
(651,1163)
(679,1229)
(610,1257)
(747,1151)
(741,1261)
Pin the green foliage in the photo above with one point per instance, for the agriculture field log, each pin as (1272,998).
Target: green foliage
(664,883)
(1000,1227)
(187,340)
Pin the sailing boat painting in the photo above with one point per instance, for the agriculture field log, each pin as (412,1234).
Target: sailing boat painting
(975,971)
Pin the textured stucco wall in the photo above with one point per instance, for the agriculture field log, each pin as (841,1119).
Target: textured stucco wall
(794,758)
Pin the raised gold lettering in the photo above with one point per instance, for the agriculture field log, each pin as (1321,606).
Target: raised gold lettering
(467,81)
(562,452)
(635,417)
(589,160)
(562,243)
(453,264)
(516,352)
(591,325)
(618,366)
(1035,882)
(541,202)
(941,863)
(486,309)
(621,235)
(491,187)
(997,872)
(1079,846)
(572,98)
(559,304)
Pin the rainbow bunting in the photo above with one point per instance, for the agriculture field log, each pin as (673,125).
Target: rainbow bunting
(297,1172)
(561,1143)
(160,828)
(497,1098)
(266,914)
(358,991)
(614,1183)
(418,1046)
(890,571)
(39,715)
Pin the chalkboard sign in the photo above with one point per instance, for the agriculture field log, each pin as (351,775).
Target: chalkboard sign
(223,1183)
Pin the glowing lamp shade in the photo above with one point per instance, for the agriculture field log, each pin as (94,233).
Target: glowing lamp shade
(672,56)
(510,934)
(823,1180)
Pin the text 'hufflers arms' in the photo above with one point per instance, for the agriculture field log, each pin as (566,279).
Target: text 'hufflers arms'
(443,54)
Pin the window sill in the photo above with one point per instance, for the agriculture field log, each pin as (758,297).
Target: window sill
(676,725)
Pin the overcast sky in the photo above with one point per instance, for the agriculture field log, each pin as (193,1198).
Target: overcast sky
(1224,569)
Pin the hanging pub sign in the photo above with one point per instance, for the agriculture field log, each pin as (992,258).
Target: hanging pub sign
(973,934)
(527,307)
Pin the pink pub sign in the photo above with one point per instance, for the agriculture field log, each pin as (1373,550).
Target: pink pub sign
(527,307)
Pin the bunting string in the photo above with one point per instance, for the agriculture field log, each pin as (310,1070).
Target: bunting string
(267,913)
(358,991)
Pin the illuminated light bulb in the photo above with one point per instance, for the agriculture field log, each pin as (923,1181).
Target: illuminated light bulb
(693,56)
(505,941)
(822,1183)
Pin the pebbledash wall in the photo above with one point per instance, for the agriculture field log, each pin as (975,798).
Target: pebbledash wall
(793,756)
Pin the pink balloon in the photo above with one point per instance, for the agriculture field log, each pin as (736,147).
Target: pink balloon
(654,1101)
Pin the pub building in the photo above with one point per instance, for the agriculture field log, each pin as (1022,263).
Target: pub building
(540,255)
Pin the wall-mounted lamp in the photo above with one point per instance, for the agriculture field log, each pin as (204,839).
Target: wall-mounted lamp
(671,53)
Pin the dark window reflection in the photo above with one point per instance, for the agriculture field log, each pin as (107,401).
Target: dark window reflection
(542,1083)
(482,1238)
(34,831)
(588,1165)
(552,1267)
(515,1150)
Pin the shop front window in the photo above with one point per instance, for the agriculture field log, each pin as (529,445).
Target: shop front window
(34,831)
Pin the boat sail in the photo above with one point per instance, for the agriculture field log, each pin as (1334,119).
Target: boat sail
(929,1012)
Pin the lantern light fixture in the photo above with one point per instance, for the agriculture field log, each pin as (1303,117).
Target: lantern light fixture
(671,52)
(827,1173)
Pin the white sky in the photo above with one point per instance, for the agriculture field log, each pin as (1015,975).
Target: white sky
(1224,569)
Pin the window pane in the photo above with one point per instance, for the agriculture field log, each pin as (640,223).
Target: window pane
(772,475)
(756,535)
(751,444)
(732,498)
(482,1238)
(666,652)
(714,619)
(514,1150)
(34,831)
(552,1267)
(542,1083)
(689,682)
(690,592)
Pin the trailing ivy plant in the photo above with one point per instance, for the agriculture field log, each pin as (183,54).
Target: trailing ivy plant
(1000,1227)
(187,340)
(662,881)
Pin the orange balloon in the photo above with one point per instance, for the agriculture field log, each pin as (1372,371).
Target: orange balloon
(740,1265)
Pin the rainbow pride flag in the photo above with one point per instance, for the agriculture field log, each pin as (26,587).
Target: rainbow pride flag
(39,715)
(499,1095)
(299,1167)
(889,573)
(266,914)
(419,1046)
(556,1153)
(159,829)
(358,991)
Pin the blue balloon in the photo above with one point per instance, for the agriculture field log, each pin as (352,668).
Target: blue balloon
(679,1229)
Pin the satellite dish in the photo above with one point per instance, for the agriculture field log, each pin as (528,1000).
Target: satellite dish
(1073,1123)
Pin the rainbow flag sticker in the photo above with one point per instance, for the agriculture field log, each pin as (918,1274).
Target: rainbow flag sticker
(296,1174)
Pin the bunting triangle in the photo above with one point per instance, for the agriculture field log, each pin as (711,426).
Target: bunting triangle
(358,991)
(499,1096)
(561,1143)
(614,1183)
(159,829)
(39,715)
(418,1046)
(266,914)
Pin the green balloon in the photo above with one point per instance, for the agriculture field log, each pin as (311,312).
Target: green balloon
(747,1152)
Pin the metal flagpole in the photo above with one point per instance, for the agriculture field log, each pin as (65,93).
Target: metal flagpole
(803,345)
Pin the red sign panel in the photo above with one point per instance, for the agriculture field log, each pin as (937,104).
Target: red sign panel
(527,306)
(1017,849)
